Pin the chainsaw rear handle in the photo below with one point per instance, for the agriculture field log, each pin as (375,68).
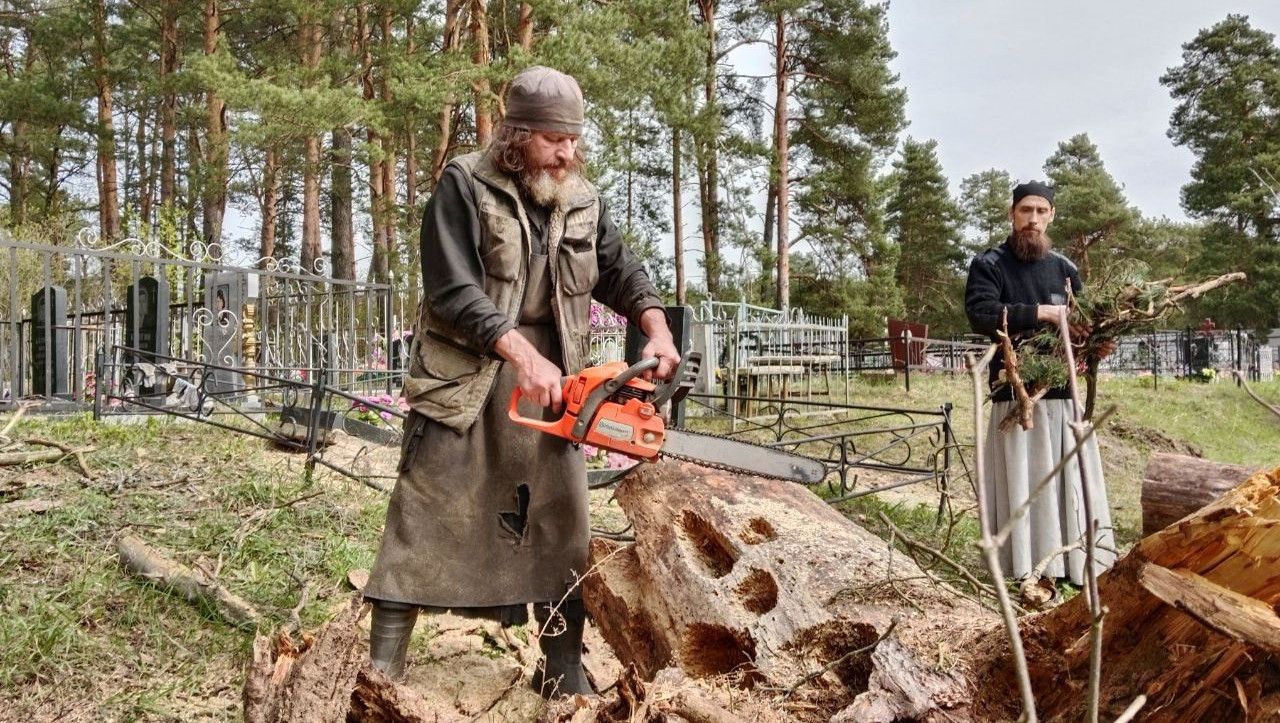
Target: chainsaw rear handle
(513,413)
(573,422)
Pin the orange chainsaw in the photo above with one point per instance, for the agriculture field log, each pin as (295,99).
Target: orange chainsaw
(613,407)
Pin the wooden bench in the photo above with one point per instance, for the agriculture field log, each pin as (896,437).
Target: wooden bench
(768,370)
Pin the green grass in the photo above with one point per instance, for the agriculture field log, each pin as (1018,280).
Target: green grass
(76,627)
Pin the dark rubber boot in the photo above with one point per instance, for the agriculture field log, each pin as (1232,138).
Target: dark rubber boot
(389,632)
(560,637)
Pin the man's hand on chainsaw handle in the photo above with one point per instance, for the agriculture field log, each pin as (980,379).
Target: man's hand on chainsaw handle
(653,322)
(538,378)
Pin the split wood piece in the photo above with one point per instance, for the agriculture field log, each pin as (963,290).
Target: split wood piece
(1187,668)
(1223,609)
(1176,485)
(763,581)
(326,678)
(192,585)
(670,696)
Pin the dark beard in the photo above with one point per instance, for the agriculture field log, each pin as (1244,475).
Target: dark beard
(1031,245)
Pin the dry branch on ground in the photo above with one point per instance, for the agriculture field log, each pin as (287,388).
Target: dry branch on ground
(192,585)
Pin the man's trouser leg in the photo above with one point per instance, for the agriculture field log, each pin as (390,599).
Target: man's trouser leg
(560,637)
(389,631)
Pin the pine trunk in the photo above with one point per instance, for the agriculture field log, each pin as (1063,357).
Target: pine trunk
(782,151)
(108,185)
(214,195)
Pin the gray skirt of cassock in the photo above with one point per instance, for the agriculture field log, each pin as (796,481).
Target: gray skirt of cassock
(1016,462)
(493,517)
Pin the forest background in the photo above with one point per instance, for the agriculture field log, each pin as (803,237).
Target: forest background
(324,125)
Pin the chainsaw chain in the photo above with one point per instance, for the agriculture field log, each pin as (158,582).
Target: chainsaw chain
(729,467)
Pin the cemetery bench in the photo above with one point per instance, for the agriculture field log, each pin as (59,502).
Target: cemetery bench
(765,374)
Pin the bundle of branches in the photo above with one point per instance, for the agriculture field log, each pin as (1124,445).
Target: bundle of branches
(1121,303)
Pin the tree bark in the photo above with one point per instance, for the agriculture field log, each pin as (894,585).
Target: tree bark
(762,584)
(168,104)
(108,184)
(782,152)
(709,158)
(310,36)
(269,206)
(480,59)
(217,143)
(342,244)
(524,26)
(444,124)
(677,215)
(1175,485)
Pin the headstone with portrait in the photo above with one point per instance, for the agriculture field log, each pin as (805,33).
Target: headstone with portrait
(230,298)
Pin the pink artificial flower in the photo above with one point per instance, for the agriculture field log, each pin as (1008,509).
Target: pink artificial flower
(617,460)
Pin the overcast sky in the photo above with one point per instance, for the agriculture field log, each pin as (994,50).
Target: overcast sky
(1000,84)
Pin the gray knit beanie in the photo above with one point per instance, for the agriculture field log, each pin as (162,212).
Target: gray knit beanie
(544,99)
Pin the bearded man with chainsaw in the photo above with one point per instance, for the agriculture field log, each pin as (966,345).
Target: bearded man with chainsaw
(1023,282)
(488,516)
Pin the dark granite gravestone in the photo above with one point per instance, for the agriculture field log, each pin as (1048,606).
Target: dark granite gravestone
(147,318)
(49,352)
(324,355)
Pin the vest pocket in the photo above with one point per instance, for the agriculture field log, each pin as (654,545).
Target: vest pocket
(578,268)
(500,246)
(444,359)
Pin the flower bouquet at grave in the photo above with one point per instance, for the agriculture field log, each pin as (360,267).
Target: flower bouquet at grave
(361,410)
(598,458)
(1121,302)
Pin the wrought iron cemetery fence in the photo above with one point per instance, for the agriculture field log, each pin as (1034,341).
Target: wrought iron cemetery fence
(70,310)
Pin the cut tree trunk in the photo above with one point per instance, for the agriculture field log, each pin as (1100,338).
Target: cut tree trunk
(760,583)
(1175,485)
(763,583)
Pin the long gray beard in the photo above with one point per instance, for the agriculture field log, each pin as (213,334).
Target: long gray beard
(1031,245)
(546,191)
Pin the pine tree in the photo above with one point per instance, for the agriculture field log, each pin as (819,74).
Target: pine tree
(1090,209)
(925,223)
(1228,114)
(985,198)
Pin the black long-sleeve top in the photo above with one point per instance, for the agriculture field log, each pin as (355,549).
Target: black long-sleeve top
(999,281)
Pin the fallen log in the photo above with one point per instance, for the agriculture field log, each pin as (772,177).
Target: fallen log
(192,585)
(760,583)
(1175,485)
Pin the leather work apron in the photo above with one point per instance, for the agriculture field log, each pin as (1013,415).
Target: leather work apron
(486,521)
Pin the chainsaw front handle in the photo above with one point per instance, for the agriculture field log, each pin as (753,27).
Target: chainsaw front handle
(604,391)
